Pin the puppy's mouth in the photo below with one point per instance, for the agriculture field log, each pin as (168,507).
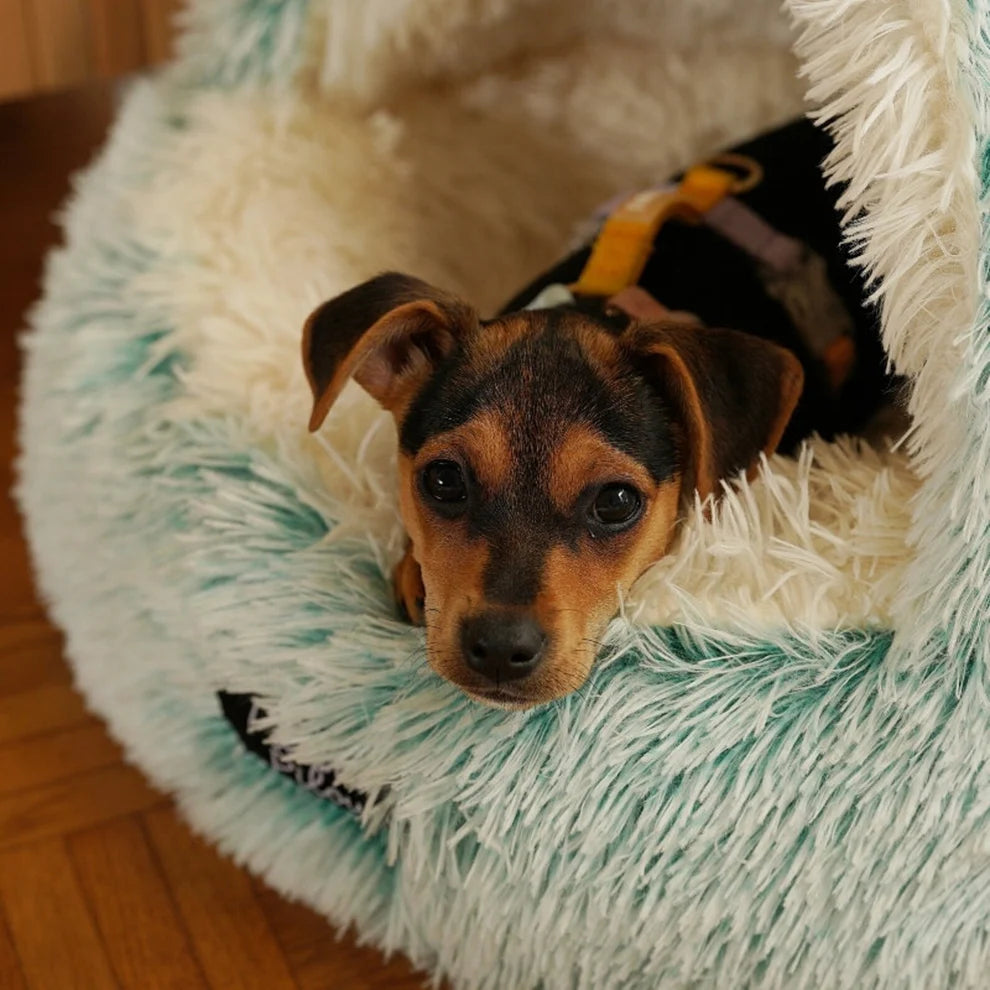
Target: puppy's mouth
(497,697)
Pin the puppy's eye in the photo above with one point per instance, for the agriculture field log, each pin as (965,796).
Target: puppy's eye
(616,506)
(444,482)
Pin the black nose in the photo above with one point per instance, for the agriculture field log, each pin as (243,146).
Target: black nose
(502,646)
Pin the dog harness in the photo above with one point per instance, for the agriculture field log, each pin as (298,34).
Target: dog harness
(791,272)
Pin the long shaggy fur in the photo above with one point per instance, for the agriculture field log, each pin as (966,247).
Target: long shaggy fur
(776,775)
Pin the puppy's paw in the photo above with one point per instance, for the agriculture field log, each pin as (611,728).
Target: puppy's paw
(407,583)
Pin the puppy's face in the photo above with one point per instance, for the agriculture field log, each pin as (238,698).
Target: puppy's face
(543,459)
(538,479)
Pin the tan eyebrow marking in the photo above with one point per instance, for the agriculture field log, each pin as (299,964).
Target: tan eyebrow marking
(584,457)
(483,442)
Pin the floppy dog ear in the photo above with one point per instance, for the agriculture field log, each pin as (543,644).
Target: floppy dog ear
(388,334)
(732,392)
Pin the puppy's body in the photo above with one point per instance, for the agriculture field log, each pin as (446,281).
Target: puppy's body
(544,454)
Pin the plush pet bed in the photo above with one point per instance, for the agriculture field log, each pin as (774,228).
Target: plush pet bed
(777,775)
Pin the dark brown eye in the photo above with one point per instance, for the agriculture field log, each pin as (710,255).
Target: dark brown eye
(444,481)
(616,506)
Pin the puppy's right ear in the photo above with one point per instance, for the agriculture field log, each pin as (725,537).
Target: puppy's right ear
(388,334)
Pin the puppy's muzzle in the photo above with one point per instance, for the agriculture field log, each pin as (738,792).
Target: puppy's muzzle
(502,646)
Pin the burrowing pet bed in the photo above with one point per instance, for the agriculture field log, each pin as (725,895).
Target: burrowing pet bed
(777,775)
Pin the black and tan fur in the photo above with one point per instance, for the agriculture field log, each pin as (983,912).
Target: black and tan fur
(540,410)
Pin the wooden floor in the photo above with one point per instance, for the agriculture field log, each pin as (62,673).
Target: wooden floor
(101,885)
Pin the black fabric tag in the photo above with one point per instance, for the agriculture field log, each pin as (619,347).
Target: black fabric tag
(243,713)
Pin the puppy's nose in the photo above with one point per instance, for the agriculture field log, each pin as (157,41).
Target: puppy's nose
(502,646)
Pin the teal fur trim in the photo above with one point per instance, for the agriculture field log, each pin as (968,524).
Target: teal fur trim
(242,42)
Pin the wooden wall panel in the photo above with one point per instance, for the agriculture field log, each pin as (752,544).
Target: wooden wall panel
(118,37)
(158,18)
(16,74)
(62,45)
(56,44)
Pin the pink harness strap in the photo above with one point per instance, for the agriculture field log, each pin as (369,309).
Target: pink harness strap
(737,223)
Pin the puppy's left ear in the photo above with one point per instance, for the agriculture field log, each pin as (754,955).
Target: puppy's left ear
(388,334)
(733,394)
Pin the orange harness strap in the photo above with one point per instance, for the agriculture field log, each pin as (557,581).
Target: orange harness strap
(625,241)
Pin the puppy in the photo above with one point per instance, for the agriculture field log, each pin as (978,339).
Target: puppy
(545,455)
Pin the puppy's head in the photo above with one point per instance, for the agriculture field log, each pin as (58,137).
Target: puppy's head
(543,458)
